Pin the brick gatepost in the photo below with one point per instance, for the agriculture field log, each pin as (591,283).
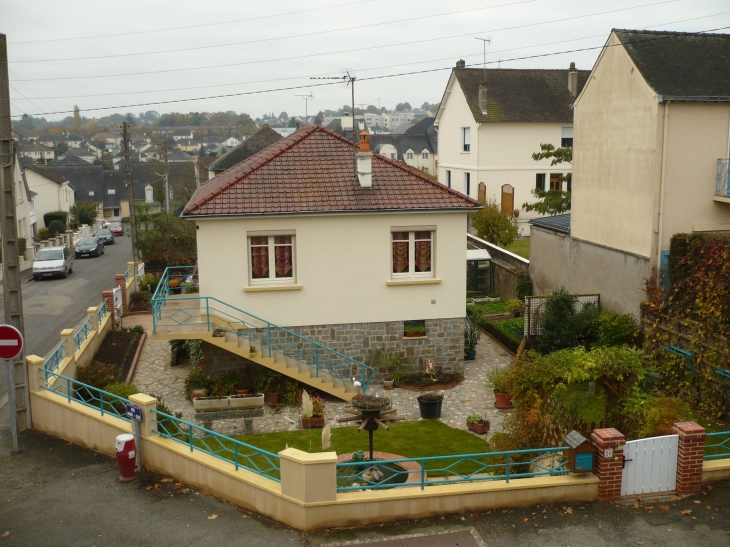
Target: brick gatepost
(121,281)
(608,469)
(690,456)
(109,297)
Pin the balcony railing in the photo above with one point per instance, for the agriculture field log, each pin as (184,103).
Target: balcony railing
(723,187)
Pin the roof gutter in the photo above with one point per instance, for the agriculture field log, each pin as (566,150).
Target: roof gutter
(693,98)
(333,213)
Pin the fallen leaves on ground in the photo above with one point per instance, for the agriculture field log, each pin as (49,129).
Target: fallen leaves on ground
(710,487)
(158,486)
(177,486)
(213,517)
(6,534)
(664,507)
(640,543)
(524,519)
(686,512)
(462,518)
(637,506)
(697,501)
(167,480)
(70,443)
(569,510)
(148,488)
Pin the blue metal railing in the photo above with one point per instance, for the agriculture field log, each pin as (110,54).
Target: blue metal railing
(723,177)
(82,334)
(219,446)
(717,445)
(101,311)
(128,274)
(216,314)
(56,358)
(432,470)
(92,397)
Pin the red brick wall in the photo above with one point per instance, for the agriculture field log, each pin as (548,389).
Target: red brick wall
(109,297)
(608,470)
(121,281)
(690,456)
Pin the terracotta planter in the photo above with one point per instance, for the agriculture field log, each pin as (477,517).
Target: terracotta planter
(272,398)
(470,354)
(502,400)
(314,421)
(198,392)
(243,391)
(388,384)
(479,427)
(210,404)
(253,400)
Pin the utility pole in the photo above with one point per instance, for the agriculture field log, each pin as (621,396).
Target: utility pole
(167,178)
(18,396)
(130,197)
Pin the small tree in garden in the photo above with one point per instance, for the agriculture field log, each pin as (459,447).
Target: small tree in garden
(166,236)
(494,226)
(555,322)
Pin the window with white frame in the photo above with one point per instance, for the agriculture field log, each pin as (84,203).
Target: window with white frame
(392,156)
(412,252)
(465,139)
(409,155)
(271,258)
(111,191)
(424,155)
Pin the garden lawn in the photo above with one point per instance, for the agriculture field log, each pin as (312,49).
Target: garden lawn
(489,308)
(520,247)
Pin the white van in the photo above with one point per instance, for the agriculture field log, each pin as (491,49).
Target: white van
(53,261)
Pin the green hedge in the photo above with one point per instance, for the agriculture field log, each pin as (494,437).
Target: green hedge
(505,332)
(61,216)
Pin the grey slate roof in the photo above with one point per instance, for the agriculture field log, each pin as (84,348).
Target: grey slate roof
(402,143)
(72,160)
(255,143)
(50,175)
(681,65)
(557,223)
(520,95)
(84,178)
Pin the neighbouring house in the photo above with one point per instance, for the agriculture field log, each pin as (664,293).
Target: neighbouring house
(232,141)
(52,190)
(391,120)
(110,138)
(25,213)
(650,160)
(491,121)
(255,143)
(71,160)
(81,152)
(180,134)
(37,152)
(188,145)
(74,140)
(415,145)
(343,126)
(342,248)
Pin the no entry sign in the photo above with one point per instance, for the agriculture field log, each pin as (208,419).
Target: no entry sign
(11,342)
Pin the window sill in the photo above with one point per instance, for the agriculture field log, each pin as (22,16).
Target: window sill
(264,288)
(415,337)
(413,282)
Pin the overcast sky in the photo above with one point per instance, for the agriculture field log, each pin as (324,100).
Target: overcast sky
(282,43)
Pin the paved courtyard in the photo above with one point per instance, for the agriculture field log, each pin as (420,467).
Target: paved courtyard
(154,375)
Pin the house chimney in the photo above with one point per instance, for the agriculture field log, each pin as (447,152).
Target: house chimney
(365,162)
(573,80)
(460,63)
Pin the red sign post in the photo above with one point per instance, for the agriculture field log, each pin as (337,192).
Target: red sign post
(11,345)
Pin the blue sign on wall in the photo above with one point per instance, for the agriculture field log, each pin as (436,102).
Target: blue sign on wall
(134,412)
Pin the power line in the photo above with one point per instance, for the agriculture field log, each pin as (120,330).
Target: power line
(368,69)
(290,37)
(381,77)
(34,93)
(192,26)
(471,33)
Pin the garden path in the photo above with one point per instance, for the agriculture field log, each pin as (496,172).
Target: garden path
(153,375)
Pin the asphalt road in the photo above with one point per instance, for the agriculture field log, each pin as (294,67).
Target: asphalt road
(51,305)
(58,493)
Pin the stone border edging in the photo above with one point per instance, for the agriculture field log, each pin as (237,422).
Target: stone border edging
(411,467)
(435,387)
(130,374)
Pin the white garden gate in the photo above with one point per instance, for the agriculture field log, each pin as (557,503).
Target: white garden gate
(650,465)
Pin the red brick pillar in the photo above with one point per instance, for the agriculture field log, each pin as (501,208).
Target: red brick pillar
(690,456)
(121,282)
(109,297)
(608,465)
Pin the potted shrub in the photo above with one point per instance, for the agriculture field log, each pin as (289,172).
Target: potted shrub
(317,417)
(252,351)
(196,383)
(268,382)
(220,388)
(477,424)
(471,339)
(496,380)
(430,405)
(414,331)
(174,285)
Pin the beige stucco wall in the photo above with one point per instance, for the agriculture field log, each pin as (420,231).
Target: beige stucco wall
(342,264)
(697,135)
(616,167)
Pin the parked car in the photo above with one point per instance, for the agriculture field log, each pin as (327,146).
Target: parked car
(105,236)
(89,246)
(116,228)
(53,261)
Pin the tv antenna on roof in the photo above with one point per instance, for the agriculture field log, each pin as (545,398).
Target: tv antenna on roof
(483,86)
(306,98)
(348,79)
(485,41)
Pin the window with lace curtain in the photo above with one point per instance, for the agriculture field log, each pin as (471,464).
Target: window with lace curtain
(271,259)
(412,253)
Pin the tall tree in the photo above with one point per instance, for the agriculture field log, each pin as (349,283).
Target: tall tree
(494,226)
(403,107)
(552,201)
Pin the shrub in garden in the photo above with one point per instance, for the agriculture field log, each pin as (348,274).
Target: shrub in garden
(43,234)
(140,297)
(56,227)
(523,285)
(95,374)
(515,307)
(661,413)
(612,329)
(555,321)
(149,283)
(121,389)
(61,216)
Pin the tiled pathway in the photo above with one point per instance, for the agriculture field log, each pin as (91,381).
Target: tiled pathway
(154,375)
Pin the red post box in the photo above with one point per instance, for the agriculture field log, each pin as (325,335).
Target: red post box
(126,451)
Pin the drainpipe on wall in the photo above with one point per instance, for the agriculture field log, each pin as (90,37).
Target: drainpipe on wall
(661,189)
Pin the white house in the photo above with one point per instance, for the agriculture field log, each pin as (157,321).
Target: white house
(36,152)
(52,190)
(296,236)
(232,141)
(489,131)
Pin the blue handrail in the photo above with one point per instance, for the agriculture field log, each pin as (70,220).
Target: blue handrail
(127,274)
(219,314)
(453,469)
(56,357)
(101,311)
(90,396)
(82,334)
(240,454)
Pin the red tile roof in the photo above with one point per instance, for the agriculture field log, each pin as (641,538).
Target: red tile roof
(313,170)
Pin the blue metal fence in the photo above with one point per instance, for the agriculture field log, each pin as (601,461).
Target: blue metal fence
(128,274)
(216,314)
(488,466)
(220,446)
(717,445)
(92,397)
(82,334)
(57,356)
(101,311)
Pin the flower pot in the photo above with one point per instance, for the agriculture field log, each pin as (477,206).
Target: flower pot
(253,400)
(272,398)
(502,400)
(314,421)
(175,290)
(210,404)
(470,354)
(243,391)
(479,427)
(430,409)
(388,384)
(198,392)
